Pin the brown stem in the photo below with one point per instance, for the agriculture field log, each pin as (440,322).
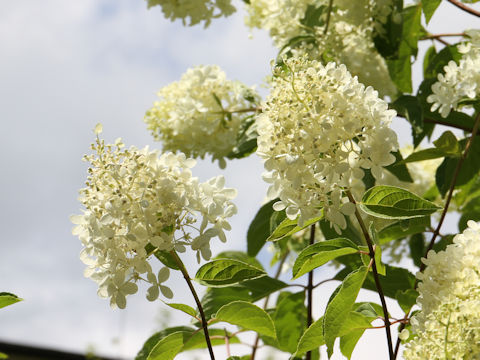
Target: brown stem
(227,342)
(436,36)
(375,274)
(265,304)
(452,187)
(197,300)
(310,292)
(464,7)
(436,232)
(329,12)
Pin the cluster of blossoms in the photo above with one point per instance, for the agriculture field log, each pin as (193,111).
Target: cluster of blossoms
(202,113)
(448,325)
(137,202)
(318,129)
(348,39)
(460,81)
(196,10)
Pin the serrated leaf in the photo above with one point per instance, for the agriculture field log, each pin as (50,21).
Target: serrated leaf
(7,299)
(290,320)
(429,7)
(247,316)
(390,202)
(289,227)
(402,229)
(184,308)
(311,339)
(168,347)
(406,299)
(320,253)
(225,272)
(338,308)
(259,229)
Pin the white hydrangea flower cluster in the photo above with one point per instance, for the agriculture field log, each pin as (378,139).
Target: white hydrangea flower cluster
(195,10)
(137,200)
(202,113)
(349,39)
(460,81)
(448,325)
(318,129)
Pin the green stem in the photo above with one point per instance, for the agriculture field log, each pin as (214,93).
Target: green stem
(197,301)
(329,12)
(375,274)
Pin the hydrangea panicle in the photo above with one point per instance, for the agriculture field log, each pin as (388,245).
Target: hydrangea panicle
(195,10)
(318,130)
(201,114)
(448,324)
(138,199)
(459,81)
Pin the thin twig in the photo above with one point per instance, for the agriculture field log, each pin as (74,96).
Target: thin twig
(323,282)
(436,36)
(436,232)
(308,355)
(375,274)
(464,7)
(227,342)
(265,304)
(329,12)
(197,301)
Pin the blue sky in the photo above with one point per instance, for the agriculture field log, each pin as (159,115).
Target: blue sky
(66,66)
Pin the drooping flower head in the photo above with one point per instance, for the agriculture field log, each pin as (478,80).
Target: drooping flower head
(138,201)
(195,10)
(460,81)
(318,129)
(448,324)
(201,114)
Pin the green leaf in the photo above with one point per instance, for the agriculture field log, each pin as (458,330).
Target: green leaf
(398,169)
(169,346)
(401,73)
(217,337)
(427,59)
(469,169)
(247,316)
(289,227)
(313,16)
(182,307)
(354,328)
(320,253)
(448,142)
(311,339)
(225,272)
(8,299)
(350,232)
(387,38)
(248,290)
(410,107)
(240,256)
(440,60)
(246,142)
(390,202)
(155,338)
(396,278)
(338,308)
(406,299)
(402,229)
(416,244)
(290,319)
(164,256)
(259,229)
(471,211)
(429,7)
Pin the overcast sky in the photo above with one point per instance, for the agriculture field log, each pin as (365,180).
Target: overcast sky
(64,67)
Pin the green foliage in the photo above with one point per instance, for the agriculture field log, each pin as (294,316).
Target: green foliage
(337,309)
(289,227)
(7,299)
(390,202)
(259,229)
(445,146)
(398,169)
(403,228)
(184,308)
(468,171)
(240,256)
(320,253)
(409,106)
(290,318)
(246,140)
(406,299)
(164,256)
(387,39)
(400,67)
(225,272)
(247,316)
(429,7)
